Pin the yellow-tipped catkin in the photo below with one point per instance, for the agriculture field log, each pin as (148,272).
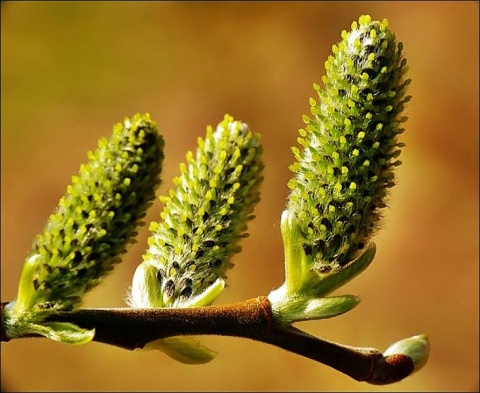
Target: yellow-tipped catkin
(351,148)
(204,217)
(92,226)
(344,168)
(98,216)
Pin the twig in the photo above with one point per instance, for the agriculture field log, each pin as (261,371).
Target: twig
(131,328)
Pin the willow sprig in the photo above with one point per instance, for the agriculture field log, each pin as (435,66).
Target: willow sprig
(343,172)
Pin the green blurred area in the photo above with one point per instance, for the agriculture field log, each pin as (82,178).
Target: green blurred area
(70,70)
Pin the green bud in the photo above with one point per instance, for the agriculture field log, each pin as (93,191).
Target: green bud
(416,348)
(203,220)
(345,166)
(92,226)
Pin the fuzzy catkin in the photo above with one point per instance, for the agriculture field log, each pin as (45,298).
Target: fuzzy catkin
(98,216)
(349,145)
(204,218)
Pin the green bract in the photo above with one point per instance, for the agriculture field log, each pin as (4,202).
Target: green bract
(345,166)
(203,219)
(92,226)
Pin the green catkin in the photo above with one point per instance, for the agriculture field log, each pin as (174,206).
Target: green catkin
(349,145)
(96,220)
(203,218)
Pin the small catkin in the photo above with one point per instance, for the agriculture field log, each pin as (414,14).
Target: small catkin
(98,216)
(205,216)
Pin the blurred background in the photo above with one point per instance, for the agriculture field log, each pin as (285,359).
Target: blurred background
(70,70)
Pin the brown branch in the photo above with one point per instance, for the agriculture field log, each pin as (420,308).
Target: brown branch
(131,328)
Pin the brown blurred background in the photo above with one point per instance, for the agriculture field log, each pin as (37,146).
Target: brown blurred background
(70,70)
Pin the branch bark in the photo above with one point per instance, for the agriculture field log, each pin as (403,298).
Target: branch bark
(131,328)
